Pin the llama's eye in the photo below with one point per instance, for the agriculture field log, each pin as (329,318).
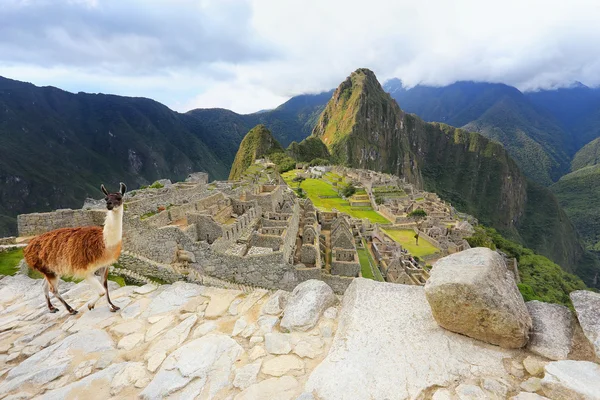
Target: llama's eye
(106,198)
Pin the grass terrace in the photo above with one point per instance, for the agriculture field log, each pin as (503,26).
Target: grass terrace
(9,260)
(324,197)
(406,237)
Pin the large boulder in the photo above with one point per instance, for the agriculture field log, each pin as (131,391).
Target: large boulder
(573,380)
(552,331)
(306,305)
(587,307)
(388,346)
(474,293)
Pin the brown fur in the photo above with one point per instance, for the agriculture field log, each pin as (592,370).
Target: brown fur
(70,251)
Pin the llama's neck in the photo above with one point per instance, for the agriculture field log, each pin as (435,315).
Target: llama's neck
(113,227)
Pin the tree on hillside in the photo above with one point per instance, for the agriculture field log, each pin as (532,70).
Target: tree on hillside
(348,190)
(418,216)
(299,190)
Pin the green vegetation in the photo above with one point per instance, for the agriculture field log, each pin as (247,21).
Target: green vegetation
(309,150)
(324,197)
(417,214)
(365,265)
(588,155)
(156,185)
(406,237)
(541,279)
(579,195)
(348,190)
(148,214)
(9,261)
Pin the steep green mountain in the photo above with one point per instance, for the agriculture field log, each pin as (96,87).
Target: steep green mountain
(579,195)
(532,136)
(258,143)
(56,147)
(309,149)
(588,155)
(364,128)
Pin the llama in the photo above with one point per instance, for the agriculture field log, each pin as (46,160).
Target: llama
(80,252)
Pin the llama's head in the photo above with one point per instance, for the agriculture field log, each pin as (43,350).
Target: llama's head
(114,200)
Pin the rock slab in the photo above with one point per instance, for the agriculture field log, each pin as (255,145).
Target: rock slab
(552,331)
(388,346)
(587,307)
(474,293)
(573,380)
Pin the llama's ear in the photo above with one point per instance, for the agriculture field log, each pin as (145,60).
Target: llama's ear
(103,189)
(123,188)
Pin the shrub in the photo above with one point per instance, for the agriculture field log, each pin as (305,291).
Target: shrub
(348,190)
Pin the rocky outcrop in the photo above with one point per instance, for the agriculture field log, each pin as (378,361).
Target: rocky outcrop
(473,293)
(306,305)
(552,331)
(388,346)
(587,307)
(573,380)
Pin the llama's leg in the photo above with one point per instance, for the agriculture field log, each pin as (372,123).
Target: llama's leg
(54,289)
(111,306)
(46,289)
(97,287)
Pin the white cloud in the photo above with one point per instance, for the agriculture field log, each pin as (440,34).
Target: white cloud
(251,55)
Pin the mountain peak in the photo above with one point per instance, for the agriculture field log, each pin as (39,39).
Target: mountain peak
(258,143)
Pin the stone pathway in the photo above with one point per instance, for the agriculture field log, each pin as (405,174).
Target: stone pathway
(179,341)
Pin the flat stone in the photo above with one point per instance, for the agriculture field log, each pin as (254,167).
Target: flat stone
(532,384)
(309,347)
(239,326)
(52,362)
(159,327)
(249,331)
(587,307)
(210,357)
(257,352)
(282,365)
(84,368)
(95,386)
(534,366)
(130,341)
(528,396)
(172,298)
(155,360)
(266,323)
(496,387)
(256,339)
(552,330)
(409,354)
(129,375)
(220,300)
(442,394)
(205,328)
(244,304)
(283,388)
(276,303)
(573,380)
(246,376)
(470,392)
(473,293)
(306,304)
(127,328)
(278,343)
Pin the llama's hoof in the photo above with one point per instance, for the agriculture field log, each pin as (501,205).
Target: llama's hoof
(114,308)
(91,306)
(53,310)
(73,312)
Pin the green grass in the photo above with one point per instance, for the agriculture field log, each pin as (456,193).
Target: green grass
(148,215)
(365,266)
(9,260)
(406,237)
(316,187)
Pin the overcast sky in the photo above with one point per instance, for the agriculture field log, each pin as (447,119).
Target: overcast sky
(255,54)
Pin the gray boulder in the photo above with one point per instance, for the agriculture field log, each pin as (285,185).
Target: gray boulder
(573,380)
(388,346)
(306,305)
(552,331)
(587,307)
(474,293)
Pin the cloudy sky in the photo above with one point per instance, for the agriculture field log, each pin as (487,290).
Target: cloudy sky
(248,55)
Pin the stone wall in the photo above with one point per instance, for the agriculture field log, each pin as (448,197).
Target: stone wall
(8,240)
(345,268)
(38,223)
(160,244)
(148,269)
